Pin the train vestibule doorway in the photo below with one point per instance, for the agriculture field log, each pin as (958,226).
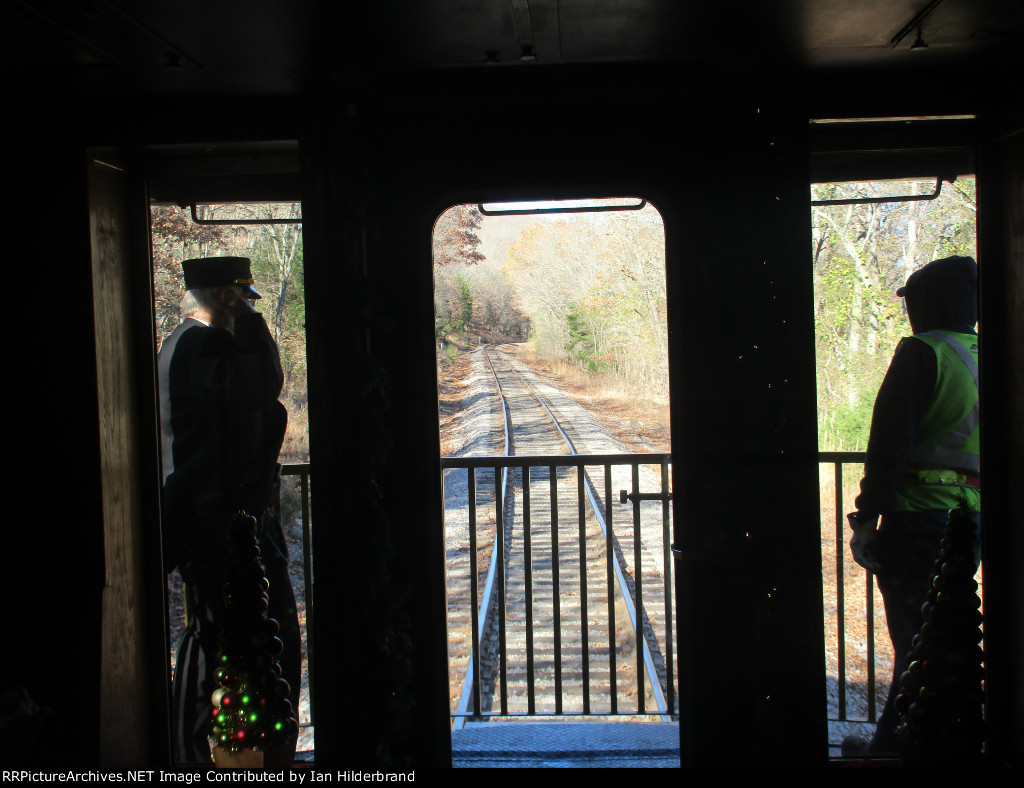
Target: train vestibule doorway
(552,361)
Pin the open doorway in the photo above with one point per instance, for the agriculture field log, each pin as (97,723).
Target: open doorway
(552,361)
(270,236)
(867,238)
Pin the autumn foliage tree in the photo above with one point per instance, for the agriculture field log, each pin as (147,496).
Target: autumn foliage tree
(593,286)
(456,240)
(464,291)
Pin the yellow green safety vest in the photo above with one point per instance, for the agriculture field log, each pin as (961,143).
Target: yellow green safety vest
(945,464)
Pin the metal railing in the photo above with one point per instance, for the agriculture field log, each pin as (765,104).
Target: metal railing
(540,557)
(301,470)
(839,459)
(655,655)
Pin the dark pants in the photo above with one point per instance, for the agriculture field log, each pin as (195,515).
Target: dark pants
(193,674)
(908,546)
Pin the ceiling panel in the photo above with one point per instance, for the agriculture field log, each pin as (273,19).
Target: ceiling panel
(277,47)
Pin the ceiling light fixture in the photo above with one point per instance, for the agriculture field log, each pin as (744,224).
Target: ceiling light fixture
(919,41)
(918,19)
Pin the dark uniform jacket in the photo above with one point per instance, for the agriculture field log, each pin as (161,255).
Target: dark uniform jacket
(221,430)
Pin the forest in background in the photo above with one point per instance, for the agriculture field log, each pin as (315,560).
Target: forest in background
(469,293)
(860,255)
(588,289)
(276,254)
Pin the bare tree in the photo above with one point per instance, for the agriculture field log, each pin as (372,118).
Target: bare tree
(594,288)
(860,255)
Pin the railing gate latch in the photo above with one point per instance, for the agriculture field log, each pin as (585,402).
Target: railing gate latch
(625,496)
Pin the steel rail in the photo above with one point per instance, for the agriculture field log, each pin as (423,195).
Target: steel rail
(595,504)
(471,689)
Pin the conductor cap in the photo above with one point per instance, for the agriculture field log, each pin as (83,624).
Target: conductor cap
(202,272)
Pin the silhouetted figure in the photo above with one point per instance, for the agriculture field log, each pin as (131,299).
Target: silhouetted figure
(221,430)
(923,459)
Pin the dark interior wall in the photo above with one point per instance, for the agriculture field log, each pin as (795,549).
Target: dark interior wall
(744,442)
(728,169)
(133,703)
(54,542)
(379,649)
(731,184)
(377,172)
(65,569)
(724,158)
(377,175)
(1001,265)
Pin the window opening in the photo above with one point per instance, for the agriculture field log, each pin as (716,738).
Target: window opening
(866,240)
(561,307)
(270,234)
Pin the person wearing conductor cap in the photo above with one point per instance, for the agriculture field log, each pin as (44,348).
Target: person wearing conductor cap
(221,429)
(923,459)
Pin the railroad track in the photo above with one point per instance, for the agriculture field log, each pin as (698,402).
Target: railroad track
(568,637)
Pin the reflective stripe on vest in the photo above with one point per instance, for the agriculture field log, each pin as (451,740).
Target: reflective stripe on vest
(948,451)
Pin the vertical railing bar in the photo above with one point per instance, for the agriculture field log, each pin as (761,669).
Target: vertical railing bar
(840,592)
(474,591)
(497,580)
(499,525)
(584,623)
(610,582)
(666,542)
(869,589)
(307,569)
(531,692)
(556,607)
(660,700)
(641,641)
(869,584)
(672,642)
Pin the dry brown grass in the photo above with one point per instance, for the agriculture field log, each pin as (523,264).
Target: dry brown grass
(295,448)
(633,416)
(451,388)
